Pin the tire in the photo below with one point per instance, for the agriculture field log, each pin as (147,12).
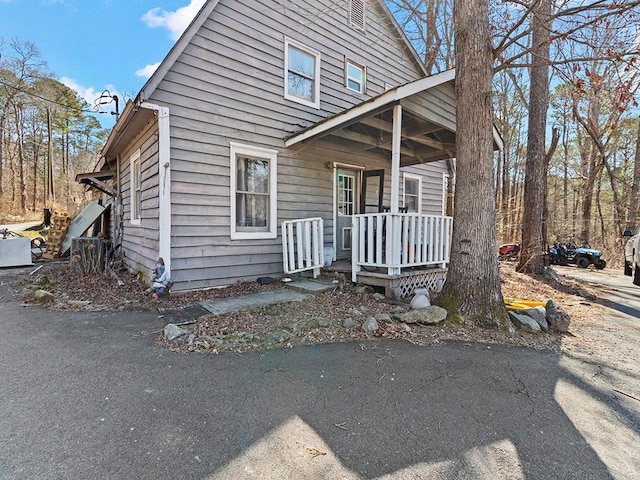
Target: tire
(600,264)
(636,275)
(583,262)
(627,269)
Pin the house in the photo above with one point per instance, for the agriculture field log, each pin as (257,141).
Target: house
(278,134)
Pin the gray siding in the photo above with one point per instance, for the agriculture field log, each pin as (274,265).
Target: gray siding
(432,185)
(140,242)
(228,85)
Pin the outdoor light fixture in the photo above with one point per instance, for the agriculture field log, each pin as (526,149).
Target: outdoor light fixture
(106,98)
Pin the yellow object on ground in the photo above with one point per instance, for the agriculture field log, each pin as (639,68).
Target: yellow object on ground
(518,304)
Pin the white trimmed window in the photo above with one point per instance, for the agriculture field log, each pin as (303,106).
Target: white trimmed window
(253,192)
(356,76)
(412,192)
(136,187)
(357,13)
(301,74)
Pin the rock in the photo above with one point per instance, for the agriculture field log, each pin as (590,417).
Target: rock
(406,327)
(348,323)
(378,296)
(420,299)
(323,322)
(40,280)
(370,325)
(524,322)
(552,274)
(173,332)
(360,288)
(557,318)
(426,316)
(539,314)
(383,317)
(43,296)
(397,309)
(277,337)
(79,303)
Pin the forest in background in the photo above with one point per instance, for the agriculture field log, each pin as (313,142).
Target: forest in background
(592,137)
(47,136)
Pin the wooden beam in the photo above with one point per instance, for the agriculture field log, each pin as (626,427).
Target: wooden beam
(369,141)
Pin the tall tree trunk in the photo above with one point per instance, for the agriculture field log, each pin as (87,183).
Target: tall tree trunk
(1,153)
(532,253)
(472,290)
(634,204)
(49,192)
(20,146)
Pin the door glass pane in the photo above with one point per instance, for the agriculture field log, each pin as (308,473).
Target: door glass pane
(346,194)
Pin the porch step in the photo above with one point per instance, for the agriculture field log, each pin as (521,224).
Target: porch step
(304,285)
(253,300)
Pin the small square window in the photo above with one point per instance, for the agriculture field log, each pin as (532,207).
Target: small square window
(355,77)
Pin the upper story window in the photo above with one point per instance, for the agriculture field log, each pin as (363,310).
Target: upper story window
(356,77)
(253,192)
(136,187)
(412,192)
(302,74)
(357,13)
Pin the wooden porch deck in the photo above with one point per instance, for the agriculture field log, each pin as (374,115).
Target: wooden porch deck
(395,286)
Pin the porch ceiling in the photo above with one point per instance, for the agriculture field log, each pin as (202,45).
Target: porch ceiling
(428,129)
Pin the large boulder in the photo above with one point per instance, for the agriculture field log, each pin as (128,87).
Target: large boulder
(524,322)
(557,318)
(539,314)
(426,316)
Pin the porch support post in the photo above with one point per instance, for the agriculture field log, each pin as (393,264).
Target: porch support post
(395,158)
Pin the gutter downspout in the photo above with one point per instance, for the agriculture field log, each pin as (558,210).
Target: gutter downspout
(164,183)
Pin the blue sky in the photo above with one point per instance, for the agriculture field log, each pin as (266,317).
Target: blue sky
(97,45)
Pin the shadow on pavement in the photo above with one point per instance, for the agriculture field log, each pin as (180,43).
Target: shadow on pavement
(92,396)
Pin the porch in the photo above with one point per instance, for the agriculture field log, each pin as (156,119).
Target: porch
(396,251)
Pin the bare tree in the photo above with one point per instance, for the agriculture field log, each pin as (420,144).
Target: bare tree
(532,253)
(634,203)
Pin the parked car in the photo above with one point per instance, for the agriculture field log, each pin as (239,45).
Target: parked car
(567,253)
(509,251)
(632,255)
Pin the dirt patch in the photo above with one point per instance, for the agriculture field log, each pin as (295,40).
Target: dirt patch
(319,319)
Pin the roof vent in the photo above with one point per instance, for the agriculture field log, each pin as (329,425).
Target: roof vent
(357,9)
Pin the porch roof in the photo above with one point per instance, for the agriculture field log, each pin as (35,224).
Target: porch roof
(428,122)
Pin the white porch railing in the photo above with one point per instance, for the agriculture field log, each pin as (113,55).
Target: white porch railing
(302,245)
(394,241)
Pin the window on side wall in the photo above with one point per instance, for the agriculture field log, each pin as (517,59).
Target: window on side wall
(356,76)
(253,192)
(136,188)
(302,74)
(412,193)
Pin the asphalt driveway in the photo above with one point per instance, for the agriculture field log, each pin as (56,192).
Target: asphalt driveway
(89,395)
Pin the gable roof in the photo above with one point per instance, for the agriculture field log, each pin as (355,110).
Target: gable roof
(167,63)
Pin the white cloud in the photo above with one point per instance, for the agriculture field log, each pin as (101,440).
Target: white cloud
(176,22)
(148,70)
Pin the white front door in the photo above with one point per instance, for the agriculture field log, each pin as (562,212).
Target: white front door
(347,194)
